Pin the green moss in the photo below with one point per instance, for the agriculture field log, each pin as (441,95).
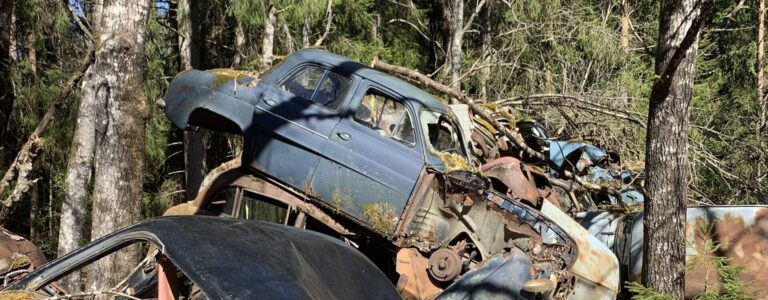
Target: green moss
(453,162)
(222,76)
(380,216)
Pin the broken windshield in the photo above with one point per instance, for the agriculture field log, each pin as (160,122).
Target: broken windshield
(442,134)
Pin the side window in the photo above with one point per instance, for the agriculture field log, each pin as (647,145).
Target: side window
(222,203)
(388,117)
(442,135)
(255,207)
(318,85)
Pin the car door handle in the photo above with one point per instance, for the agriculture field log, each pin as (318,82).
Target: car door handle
(270,102)
(344,136)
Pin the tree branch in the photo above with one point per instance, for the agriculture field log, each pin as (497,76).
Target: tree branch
(22,164)
(328,22)
(80,24)
(581,103)
(478,7)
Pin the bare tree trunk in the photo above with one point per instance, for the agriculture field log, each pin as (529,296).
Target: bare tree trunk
(78,181)
(194,142)
(625,9)
(666,161)
(12,44)
(761,80)
(268,38)
(485,72)
(625,25)
(288,38)
(457,36)
(114,82)
(306,31)
(239,42)
(7,28)
(32,51)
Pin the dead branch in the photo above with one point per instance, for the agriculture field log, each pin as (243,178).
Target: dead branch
(736,9)
(478,7)
(22,164)
(77,18)
(574,102)
(328,22)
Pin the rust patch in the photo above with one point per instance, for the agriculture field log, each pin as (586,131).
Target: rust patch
(414,282)
(509,171)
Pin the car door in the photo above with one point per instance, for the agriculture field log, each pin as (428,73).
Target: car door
(295,116)
(373,157)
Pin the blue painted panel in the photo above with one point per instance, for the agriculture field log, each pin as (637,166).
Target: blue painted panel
(365,169)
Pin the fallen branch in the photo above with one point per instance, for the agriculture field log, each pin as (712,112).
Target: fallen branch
(22,164)
(515,137)
(328,22)
(574,102)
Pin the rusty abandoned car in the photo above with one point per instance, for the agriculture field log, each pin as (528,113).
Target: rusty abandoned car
(238,259)
(333,146)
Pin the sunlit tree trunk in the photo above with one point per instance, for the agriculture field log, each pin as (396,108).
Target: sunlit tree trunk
(114,83)
(306,31)
(625,25)
(239,42)
(666,161)
(457,37)
(268,38)
(77,182)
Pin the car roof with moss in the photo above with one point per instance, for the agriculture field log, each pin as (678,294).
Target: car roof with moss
(346,65)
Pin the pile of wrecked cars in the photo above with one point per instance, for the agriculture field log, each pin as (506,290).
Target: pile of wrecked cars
(440,202)
(435,198)
(333,146)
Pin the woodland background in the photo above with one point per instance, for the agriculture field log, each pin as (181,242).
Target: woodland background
(584,69)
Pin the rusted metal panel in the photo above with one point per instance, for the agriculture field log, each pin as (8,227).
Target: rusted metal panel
(595,262)
(414,282)
(509,171)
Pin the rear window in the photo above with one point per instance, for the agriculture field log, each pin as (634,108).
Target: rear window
(318,85)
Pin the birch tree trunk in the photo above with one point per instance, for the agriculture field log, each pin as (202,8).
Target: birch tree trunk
(114,82)
(666,161)
(268,38)
(194,141)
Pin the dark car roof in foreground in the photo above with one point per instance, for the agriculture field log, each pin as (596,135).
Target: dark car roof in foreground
(240,259)
(350,66)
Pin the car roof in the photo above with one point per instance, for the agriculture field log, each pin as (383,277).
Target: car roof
(347,65)
(242,259)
